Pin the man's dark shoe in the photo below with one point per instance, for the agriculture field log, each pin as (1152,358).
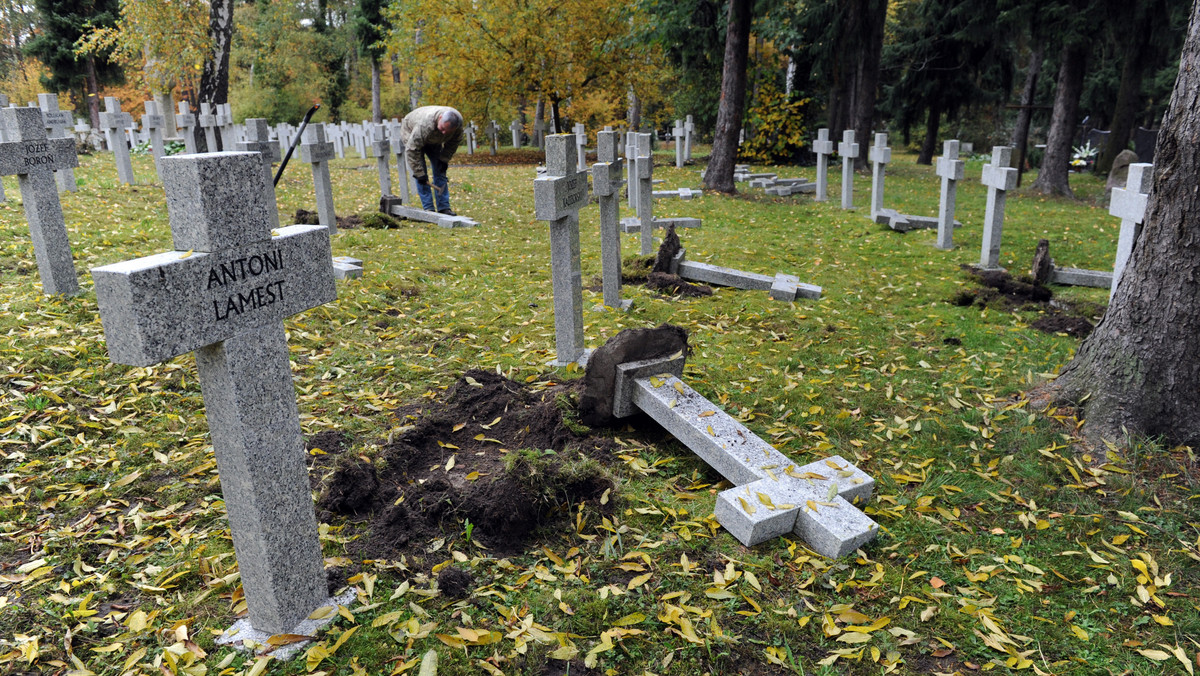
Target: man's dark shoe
(447,212)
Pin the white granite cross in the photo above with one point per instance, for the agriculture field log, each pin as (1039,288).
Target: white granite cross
(643,163)
(606,184)
(677,133)
(380,149)
(515,127)
(689,129)
(848,149)
(33,158)
(580,146)
(315,150)
(493,132)
(951,170)
(258,140)
(223,294)
(208,122)
(114,122)
(557,197)
(154,122)
(185,121)
(225,124)
(469,132)
(58,125)
(539,134)
(402,170)
(823,147)
(1129,205)
(880,156)
(773,495)
(999,179)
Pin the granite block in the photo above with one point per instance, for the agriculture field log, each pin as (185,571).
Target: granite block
(628,374)
(440,220)
(208,192)
(1077,277)
(557,196)
(715,274)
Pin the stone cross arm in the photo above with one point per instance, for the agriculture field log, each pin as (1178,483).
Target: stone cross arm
(880,153)
(998,174)
(556,197)
(22,157)
(1129,203)
(948,165)
(167,304)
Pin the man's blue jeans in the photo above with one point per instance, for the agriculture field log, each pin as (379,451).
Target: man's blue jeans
(437,177)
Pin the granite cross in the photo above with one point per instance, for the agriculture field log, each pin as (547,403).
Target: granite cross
(401,162)
(631,184)
(644,164)
(677,132)
(1129,205)
(580,149)
(153,122)
(58,125)
(469,133)
(951,170)
(689,131)
(380,149)
(258,140)
(880,156)
(225,123)
(848,149)
(539,134)
(823,147)
(208,122)
(999,179)
(315,150)
(33,158)
(114,123)
(223,294)
(515,127)
(773,496)
(185,120)
(493,131)
(606,183)
(557,197)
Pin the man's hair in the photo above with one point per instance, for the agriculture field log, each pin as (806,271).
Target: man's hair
(453,117)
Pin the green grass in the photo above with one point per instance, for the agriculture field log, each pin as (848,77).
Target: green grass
(1004,545)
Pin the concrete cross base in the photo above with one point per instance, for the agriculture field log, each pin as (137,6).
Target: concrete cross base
(441,220)
(634,224)
(624,306)
(789,288)
(581,360)
(1077,277)
(345,267)
(242,636)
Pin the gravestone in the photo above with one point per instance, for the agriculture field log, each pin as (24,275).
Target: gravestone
(258,140)
(315,150)
(606,184)
(780,287)
(380,149)
(154,122)
(580,149)
(225,125)
(58,125)
(1118,175)
(631,182)
(772,496)
(644,160)
(401,163)
(689,131)
(557,198)
(1129,205)
(951,170)
(223,294)
(34,158)
(493,132)
(185,120)
(848,150)
(879,155)
(999,178)
(823,147)
(469,133)
(515,127)
(114,122)
(208,122)
(677,133)
(1144,141)
(1098,139)
(539,134)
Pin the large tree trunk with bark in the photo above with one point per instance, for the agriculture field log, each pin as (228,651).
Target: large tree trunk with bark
(1129,94)
(856,71)
(1020,137)
(214,79)
(635,111)
(930,144)
(93,92)
(1056,164)
(376,104)
(719,174)
(1137,373)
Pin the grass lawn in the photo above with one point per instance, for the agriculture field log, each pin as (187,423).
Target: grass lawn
(1004,544)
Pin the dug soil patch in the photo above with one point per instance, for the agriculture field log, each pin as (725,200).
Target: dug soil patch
(999,290)
(508,458)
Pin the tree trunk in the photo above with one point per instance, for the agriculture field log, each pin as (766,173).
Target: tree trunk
(214,80)
(866,78)
(395,61)
(929,145)
(1138,370)
(93,92)
(376,105)
(1129,94)
(635,111)
(1020,137)
(719,175)
(1056,165)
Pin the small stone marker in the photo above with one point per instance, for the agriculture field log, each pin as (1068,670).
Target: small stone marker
(469,132)
(689,131)
(315,150)
(677,133)
(401,163)
(645,192)
(848,149)
(1129,205)
(58,125)
(493,132)
(823,147)
(515,127)
(154,122)
(951,170)
(185,121)
(606,183)
(223,294)
(114,123)
(773,496)
(557,197)
(880,156)
(208,122)
(258,140)
(33,158)
(999,179)
(631,182)
(380,149)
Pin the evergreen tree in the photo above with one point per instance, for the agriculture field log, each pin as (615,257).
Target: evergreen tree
(62,23)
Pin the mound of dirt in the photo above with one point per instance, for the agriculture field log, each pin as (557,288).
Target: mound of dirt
(1001,291)
(305,217)
(499,454)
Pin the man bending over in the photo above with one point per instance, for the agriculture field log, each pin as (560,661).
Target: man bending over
(434,132)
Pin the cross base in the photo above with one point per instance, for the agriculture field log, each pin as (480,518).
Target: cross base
(246,638)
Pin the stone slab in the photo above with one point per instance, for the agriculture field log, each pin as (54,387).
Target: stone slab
(634,224)
(715,274)
(242,636)
(555,197)
(789,288)
(441,220)
(1078,277)
(628,374)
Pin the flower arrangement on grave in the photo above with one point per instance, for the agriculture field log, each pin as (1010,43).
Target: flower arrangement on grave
(1083,156)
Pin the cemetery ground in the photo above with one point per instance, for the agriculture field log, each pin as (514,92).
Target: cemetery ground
(1006,544)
